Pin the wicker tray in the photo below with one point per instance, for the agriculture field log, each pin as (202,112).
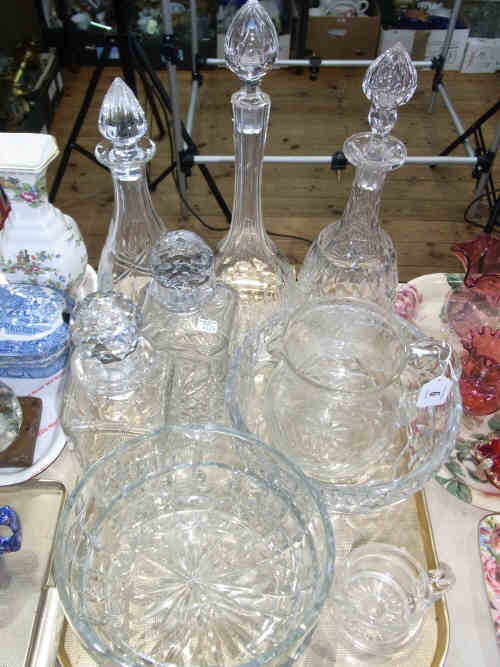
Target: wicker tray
(406,525)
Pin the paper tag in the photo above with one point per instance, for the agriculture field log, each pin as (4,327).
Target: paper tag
(434,393)
(59,80)
(207,326)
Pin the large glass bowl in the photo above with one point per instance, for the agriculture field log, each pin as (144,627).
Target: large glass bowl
(310,414)
(194,546)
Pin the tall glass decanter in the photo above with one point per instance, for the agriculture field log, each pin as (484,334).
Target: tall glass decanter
(247,259)
(125,263)
(355,256)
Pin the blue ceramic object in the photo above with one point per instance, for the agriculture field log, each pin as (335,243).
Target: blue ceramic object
(8,517)
(33,331)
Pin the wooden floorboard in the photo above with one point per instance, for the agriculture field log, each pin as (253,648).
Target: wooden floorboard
(422,208)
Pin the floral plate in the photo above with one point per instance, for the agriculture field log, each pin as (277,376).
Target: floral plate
(489,550)
(461,475)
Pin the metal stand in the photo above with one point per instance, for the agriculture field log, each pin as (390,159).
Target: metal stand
(131,64)
(481,160)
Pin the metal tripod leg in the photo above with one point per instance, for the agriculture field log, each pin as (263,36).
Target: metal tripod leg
(174,109)
(485,176)
(446,45)
(80,119)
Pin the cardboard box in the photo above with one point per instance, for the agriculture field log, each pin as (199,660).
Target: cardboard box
(344,38)
(427,44)
(481,56)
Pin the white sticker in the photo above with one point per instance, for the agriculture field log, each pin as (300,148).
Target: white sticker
(434,393)
(59,80)
(52,90)
(207,326)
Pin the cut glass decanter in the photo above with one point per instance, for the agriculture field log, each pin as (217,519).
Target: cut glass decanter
(189,319)
(125,263)
(355,256)
(247,259)
(116,388)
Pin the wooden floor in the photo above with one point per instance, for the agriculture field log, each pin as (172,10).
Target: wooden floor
(422,208)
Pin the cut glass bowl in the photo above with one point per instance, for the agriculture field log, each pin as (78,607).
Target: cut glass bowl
(423,441)
(194,546)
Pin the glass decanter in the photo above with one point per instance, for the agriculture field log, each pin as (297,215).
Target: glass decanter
(116,388)
(189,318)
(355,256)
(247,259)
(125,263)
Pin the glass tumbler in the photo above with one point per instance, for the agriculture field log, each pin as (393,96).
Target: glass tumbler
(381,596)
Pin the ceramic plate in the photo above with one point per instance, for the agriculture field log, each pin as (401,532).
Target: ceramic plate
(489,550)
(51,439)
(461,475)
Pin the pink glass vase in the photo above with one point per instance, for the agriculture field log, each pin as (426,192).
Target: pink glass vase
(480,379)
(477,303)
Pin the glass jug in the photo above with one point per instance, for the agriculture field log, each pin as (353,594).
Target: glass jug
(347,385)
(382,594)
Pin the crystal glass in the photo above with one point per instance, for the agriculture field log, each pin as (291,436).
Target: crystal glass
(189,318)
(382,594)
(115,388)
(354,256)
(247,259)
(340,387)
(11,416)
(125,263)
(194,546)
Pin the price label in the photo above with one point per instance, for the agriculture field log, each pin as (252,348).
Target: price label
(434,393)
(207,326)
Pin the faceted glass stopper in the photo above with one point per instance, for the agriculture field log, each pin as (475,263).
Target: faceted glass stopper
(183,264)
(106,322)
(11,416)
(121,119)
(390,81)
(251,43)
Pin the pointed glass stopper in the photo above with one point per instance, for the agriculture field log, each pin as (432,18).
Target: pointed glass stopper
(251,43)
(390,81)
(106,322)
(123,123)
(121,119)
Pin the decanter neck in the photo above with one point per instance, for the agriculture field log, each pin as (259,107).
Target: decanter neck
(363,205)
(250,120)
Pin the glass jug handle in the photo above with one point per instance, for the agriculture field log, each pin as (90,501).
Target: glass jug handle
(441,580)
(427,354)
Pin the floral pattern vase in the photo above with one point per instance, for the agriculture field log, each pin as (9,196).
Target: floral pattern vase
(39,244)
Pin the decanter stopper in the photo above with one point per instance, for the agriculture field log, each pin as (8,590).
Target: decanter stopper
(107,323)
(183,264)
(390,81)
(251,43)
(123,123)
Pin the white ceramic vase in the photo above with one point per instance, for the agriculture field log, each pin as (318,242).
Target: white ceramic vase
(39,244)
